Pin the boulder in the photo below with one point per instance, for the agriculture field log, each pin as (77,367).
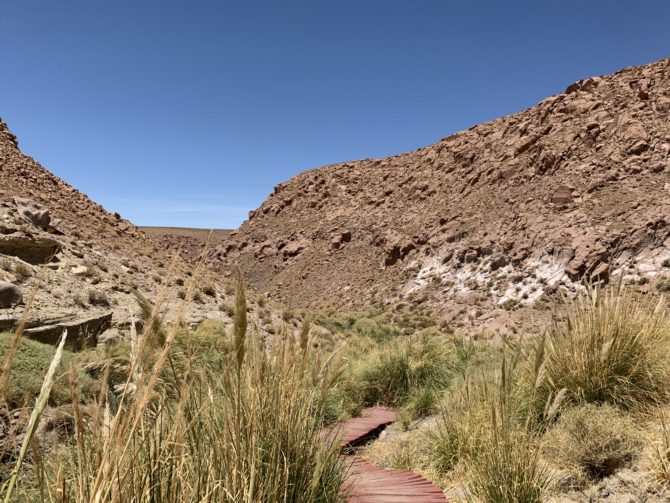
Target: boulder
(10,295)
(31,249)
(638,147)
(33,212)
(635,132)
(339,240)
(80,270)
(294,248)
(470,256)
(663,104)
(82,333)
(498,261)
(396,247)
(562,195)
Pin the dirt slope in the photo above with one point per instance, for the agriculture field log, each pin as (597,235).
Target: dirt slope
(85,260)
(485,222)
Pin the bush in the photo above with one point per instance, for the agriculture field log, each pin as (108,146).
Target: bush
(661,460)
(22,271)
(228,308)
(507,470)
(365,327)
(391,373)
(460,429)
(97,298)
(29,368)
(613,348)
(209,290)
(593,440)
(421,403)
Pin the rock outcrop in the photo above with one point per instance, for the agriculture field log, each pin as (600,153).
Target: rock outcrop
(574,189)
(82,263)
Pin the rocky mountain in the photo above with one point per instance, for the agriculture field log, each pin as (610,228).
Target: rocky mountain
(482,226)
(82,263)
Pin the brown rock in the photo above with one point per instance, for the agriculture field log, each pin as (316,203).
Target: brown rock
(339,240)
(638,147)
(663,104)
(10,295)
(33,212)
(294,248)
(82,333)
(562,195)
(29,248)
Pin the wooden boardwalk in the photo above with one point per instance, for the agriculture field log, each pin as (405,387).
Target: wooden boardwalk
(358,430)
(369,484)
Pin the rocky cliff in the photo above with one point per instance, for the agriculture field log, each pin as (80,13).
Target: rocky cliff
(485,222)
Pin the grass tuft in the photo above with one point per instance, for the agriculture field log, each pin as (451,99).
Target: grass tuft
(614,348)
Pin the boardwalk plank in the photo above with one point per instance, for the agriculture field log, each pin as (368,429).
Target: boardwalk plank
(369,484)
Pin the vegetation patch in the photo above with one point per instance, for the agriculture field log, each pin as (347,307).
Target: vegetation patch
(593,441)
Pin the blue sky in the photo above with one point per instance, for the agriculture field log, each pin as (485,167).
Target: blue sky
(187,113)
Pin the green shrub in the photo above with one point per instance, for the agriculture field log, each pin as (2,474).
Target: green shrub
(593,440)
(22,271)
(29,368)
(228,308)
(366,327)
(389,374)
(421,403)
(209,290)
(507,470)
(464,425)
(613,348)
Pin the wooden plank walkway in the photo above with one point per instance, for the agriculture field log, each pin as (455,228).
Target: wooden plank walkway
(359,430)
(369,484)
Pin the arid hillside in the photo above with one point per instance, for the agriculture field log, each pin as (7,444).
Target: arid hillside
(485,224)
(84,263)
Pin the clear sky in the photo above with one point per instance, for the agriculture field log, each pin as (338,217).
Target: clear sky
(187,113)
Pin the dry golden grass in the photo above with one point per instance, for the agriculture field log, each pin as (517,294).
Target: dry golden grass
(239,426)
(614,348)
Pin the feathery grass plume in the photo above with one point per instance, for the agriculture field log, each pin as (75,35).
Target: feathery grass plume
(505,467)
(240,323)
(40,403)
(220,442)
(152,318)
(304,334)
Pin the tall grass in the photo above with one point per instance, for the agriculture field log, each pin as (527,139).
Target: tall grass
(392,372)
(244,427)
(40,403)
(505,467)
(613,348)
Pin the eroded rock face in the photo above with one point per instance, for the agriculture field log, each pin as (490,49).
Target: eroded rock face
(82,333)
(584,171)
(80,261)
(31,249)
(33,212)
(10,295)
